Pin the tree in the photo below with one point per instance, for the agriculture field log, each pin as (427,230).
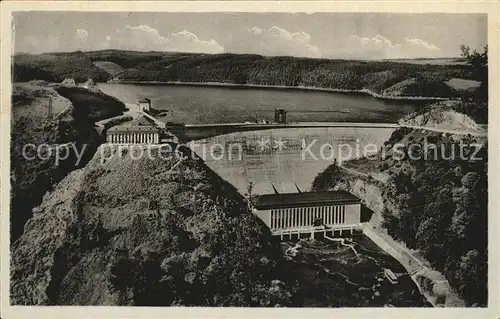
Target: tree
(121,271)
(328,178)
(479,63)
(471,275)
(250,195)
(441,209)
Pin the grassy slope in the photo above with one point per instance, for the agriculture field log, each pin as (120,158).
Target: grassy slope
(186,225)
(72,122)
(377,76)
(110,67)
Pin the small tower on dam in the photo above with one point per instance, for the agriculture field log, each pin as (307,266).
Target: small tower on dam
(144,104)
(280,116)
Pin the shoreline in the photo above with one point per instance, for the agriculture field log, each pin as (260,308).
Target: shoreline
(289,88)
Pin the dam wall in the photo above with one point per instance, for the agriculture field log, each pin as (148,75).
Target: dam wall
(287,158)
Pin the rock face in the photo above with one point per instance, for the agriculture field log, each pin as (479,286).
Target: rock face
(369,194)
(50,118)
(442,115)
(150,230)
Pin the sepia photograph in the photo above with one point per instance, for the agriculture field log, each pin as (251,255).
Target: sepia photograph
(248,159)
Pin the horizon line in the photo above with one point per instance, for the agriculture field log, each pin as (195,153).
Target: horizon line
(239,53)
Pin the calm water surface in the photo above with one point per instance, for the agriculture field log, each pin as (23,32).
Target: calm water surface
(195,104)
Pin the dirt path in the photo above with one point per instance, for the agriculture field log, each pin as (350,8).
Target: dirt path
(440,130)
(377,177)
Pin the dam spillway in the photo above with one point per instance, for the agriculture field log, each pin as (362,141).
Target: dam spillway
(287,158)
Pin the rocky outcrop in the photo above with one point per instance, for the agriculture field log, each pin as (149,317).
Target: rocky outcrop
(442,116)
(370,194)
(52,134)
(156,229)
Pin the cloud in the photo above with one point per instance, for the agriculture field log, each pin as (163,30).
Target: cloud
(145,38)
(422,44)
(275,41)
(82,35)
(255,30)
(379,47)
(189,42)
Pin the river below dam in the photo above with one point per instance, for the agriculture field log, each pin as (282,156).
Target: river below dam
(335,275)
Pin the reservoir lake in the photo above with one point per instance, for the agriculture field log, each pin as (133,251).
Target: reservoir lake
(212,104)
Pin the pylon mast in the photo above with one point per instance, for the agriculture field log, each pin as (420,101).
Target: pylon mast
(49,109)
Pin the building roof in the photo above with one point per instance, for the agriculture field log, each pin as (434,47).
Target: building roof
(141,121)
(305,199)
(90,82)
(144,100)
(133,129)
(69,81)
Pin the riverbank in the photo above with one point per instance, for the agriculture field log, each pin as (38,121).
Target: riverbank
(431,283)
(332,274)
(285,88)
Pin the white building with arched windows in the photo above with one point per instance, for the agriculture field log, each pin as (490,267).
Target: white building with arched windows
(133,135)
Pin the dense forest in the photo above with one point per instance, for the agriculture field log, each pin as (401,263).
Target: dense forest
(381,77)
(291,71)
(56,67)
(437,205)
(441,210)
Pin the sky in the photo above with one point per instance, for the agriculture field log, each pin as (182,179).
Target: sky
(318,35)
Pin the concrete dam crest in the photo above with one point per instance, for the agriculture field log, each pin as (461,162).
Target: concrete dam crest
(286,158)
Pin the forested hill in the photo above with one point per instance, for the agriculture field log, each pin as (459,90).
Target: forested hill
(381,77)
(170,232)
(434,204)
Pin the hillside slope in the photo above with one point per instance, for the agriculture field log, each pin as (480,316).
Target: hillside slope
(56,67)
(375,76)
(380,77)
(110,67)
(71,121)
(169,232)
(449,115)
(428,199)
